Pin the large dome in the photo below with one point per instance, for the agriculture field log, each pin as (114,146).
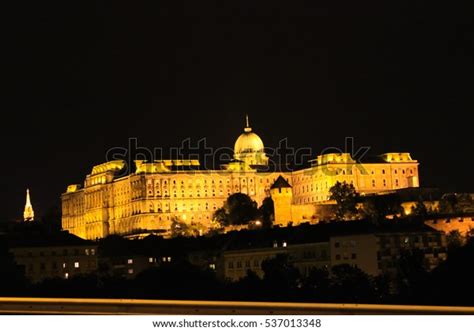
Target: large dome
(248,142)
(249,148)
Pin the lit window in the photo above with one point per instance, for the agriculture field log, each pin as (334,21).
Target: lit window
(64,265)
(76,265)
(87,251)
(150,260)
(212,266)
(130,261)
(92,251)
(66,275)
(169,259)
(130,271)
(284,244)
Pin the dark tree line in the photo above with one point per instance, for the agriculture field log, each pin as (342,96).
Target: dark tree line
(240,209)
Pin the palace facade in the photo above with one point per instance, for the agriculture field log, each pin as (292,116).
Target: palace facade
(157,192)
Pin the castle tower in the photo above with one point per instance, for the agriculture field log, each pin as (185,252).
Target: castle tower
(282,196)
(28,214)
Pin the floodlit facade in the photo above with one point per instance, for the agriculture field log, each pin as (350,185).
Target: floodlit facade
(390,171)
(160,191)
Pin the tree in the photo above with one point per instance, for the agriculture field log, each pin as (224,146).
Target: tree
(382,287)
(345,196)
(220,216)
(238,209)
(465,203)
(247,288)
(176,280)
(281,278)
(316,286)
(183,229)
(411,274)
(267,212)
(455,240)
(452,279)
(12,276)
(377,208)
(419,209)
(456,203)
(350,284)
(448,204)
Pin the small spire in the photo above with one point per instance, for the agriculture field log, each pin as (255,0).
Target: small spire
(28,201)
(28,214)
(247,126)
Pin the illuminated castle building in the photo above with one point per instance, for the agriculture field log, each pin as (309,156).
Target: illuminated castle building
(163,190)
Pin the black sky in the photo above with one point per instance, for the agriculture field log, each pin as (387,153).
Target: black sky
(80,77)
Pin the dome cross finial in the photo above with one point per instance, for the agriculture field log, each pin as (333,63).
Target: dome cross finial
(247,124)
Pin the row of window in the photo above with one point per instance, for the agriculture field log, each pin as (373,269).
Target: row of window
(240,264)
(325,186)
(345,244)
(180,208)
(198,182)
(306,178)
(346,256)
(152,259)
(54,266)
(65,252)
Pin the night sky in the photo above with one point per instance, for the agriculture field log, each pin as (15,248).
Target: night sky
(80,77)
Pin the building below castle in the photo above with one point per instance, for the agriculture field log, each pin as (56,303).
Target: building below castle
(158,192)
(374,250)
